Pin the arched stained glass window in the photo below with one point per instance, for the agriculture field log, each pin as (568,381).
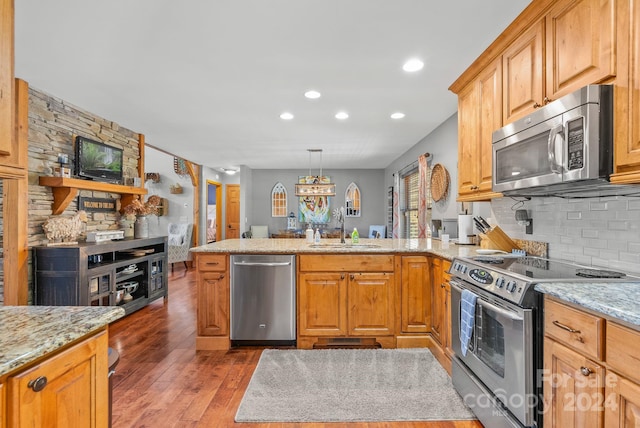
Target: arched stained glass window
(279,201)
(352,201)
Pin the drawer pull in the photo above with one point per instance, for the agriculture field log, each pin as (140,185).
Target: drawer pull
(212,263)
(38,383)
(565,327)
(586,371)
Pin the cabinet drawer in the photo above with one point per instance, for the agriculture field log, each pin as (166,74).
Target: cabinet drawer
(347,263)
(579,330)
(623,350)
(212,262)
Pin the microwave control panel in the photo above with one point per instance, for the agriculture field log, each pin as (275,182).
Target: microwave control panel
(575,144)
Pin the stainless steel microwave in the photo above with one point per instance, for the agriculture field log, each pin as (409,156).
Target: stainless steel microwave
(564,146)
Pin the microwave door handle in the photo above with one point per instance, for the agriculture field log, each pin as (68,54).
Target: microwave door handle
(551,148)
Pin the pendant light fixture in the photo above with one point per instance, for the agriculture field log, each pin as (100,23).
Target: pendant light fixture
(316,187)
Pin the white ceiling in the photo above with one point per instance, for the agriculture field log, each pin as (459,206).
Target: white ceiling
(207,80)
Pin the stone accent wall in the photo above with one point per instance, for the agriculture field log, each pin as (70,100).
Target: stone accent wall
(53,125)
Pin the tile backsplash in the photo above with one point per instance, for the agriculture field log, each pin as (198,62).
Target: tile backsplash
(602,232)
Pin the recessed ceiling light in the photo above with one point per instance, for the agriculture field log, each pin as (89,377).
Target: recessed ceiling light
(397,115)
(312,94)
(286,116)
(342,115)
(412,65)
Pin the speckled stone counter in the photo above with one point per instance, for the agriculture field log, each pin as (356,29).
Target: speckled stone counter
(29,332)
(618,301)
(298,246)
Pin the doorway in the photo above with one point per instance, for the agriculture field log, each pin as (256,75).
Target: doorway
(214,211)
(233,211)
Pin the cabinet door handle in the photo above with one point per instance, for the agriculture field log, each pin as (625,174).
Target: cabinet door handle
(342,276)
(586,371)
(441,285)
(537,105)
(38,383)
(352,276)
(546,100)
(221,276)
(565,327)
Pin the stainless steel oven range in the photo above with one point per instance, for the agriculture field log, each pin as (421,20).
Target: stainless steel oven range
(498,314)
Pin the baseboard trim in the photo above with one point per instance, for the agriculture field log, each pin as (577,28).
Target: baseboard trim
(213,343)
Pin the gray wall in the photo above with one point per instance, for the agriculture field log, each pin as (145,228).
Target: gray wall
(370,182)
(442,144)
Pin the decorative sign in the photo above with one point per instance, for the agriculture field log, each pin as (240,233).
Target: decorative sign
(97,204)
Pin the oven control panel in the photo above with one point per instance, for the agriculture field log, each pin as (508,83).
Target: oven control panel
(494,282)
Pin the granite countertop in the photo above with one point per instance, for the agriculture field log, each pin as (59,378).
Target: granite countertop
(368,246)
(616,300)
(29,332)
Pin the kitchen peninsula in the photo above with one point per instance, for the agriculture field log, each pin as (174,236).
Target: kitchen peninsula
(383,292)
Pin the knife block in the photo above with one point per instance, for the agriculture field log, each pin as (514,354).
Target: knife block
(499,240)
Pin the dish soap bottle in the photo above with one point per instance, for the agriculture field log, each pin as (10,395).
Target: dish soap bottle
(355,236)
(309,234)
(316,237)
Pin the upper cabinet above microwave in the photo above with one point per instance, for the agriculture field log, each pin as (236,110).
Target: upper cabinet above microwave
(578,38)
(552,48)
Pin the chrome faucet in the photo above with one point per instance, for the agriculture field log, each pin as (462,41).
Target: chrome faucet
(341,220)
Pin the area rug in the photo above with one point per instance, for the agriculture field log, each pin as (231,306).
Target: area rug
(350,385)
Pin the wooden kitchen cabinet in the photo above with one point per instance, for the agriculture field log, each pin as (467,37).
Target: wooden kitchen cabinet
(441,311)
(573,45)
(3,406)
(212,278)
(622,392)
(415,294)
(437,291)
(7,99)
(523,68)
(622,403)
(322,299)
(573,385)
(370,299)
(446,323)
(479,114)
(69,389)
(346,297)
(591,370)
(626,95)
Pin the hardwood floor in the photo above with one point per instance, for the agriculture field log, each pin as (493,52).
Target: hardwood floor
(161,381)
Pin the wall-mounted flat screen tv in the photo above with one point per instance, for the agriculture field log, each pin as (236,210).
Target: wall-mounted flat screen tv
(98,161)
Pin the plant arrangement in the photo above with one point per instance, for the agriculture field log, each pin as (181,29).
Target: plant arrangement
(137,207)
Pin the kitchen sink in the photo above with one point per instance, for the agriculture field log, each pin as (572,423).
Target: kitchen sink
(339,245)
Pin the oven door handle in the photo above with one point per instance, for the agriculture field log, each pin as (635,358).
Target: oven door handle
(481,302)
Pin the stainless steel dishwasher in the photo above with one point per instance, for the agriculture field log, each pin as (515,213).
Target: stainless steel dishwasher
(263,299)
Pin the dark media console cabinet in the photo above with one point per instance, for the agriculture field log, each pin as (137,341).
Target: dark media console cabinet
(98,274)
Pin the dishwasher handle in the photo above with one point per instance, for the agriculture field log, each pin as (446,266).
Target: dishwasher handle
(270,264)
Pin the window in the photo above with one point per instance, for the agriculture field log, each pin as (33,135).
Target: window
(409,200)
(279,201)
(352,201)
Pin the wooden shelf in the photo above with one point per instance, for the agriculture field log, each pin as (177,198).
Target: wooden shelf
(66,189)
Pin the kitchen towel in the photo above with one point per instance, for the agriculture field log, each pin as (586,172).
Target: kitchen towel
(467,318)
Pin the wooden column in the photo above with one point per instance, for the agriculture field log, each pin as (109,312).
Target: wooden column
(15,215)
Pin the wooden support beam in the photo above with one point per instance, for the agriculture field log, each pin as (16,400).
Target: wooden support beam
(15,204)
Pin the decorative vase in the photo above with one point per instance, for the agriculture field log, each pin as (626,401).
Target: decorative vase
(127,226)
(141,227)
